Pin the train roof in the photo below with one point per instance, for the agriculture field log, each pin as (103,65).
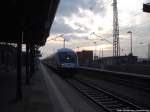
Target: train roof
(65,50)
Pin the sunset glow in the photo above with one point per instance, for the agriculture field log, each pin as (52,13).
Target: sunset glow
(78,20)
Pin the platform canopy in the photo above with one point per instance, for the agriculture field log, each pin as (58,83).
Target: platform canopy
(32,17)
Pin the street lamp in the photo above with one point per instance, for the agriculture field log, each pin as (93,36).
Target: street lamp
(64,40)
(130,32)
(95,50)
(62,36)
(78,48)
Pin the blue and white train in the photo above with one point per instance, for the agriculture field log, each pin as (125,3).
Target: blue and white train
(63,60)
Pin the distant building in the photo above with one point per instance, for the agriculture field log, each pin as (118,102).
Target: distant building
(118,60)
(85,57)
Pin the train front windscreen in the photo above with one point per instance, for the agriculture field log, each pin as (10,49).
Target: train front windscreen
(67,57)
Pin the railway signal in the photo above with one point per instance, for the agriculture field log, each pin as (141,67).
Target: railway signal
(146,7)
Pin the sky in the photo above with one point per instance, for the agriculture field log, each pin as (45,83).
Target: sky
(75,20)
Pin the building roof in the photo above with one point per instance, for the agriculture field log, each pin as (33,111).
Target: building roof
(32,17)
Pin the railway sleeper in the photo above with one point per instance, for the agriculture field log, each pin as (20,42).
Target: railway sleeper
(110,102)
(106,99)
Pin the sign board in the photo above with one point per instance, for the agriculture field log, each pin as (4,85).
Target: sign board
(146,8)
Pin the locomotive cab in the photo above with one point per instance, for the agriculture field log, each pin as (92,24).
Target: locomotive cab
(67,60)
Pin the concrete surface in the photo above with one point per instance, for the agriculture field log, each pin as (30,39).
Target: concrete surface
(35,97)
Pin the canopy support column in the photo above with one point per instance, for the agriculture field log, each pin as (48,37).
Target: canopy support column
(27,65)
(19,69)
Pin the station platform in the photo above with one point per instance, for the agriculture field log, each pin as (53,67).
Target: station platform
(35,96)
(47,92)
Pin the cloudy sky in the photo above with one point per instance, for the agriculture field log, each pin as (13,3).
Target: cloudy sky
(77,19)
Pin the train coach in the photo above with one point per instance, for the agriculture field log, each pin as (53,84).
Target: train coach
(63,60)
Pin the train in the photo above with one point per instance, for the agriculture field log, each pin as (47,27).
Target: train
(63,60)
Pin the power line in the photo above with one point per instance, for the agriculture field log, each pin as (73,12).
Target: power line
(102,38)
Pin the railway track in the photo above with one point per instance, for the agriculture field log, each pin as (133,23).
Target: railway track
(104,99)
(138,81)
(142,85)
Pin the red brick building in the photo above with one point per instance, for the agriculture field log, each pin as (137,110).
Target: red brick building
(85,57)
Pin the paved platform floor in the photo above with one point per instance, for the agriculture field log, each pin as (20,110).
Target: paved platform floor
(35,96)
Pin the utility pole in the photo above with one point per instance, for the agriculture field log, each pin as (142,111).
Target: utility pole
(116,44)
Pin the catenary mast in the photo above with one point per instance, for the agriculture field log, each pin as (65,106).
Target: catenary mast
(116,44)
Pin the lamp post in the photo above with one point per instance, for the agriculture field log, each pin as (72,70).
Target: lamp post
(130,32)
(62,36)
(95,50)
(64,42)
(78,48)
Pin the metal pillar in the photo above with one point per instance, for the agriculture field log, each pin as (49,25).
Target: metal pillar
(116,44)
(19,71)
(33,58)
(32,69)
(27,64)
(2,56)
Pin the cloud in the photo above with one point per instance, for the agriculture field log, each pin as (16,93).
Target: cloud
(98,7)
(76,19)
(69,7)
(70,11)
(76,37)
(82,27)
(60,27)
